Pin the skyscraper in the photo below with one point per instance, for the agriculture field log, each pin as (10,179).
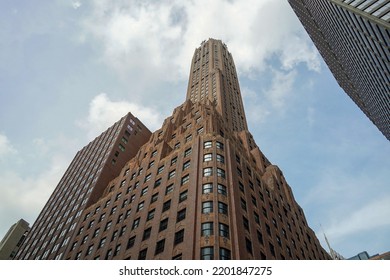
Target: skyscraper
(13,239)
(199,188)
(82,185)
(353,37)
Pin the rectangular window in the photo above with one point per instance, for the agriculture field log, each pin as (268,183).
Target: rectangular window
(248,245)
(224,254)
(207,144)
(207,157)
(186,165)
(142,254)
(146,234)
(221,173)
(223,230)
(187,152)
(219,145)
(185,179)
(222,208)
(207,188)
(222,189)
(147,178)
(131,242)
(157,183)
(140,206)
(160,247)
(163,225)
(171,174)
(207,253)
(144,191)
(166,205)
(179,237)
(169,189)
(160,169)
(207,229)
(154,198)
(183,196)
(173,161)
(207,207)
(208,171)
(151,214)
(135,223)
(220,158)
(181,215)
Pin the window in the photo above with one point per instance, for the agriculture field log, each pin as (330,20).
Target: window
(207,207)
(181,215)
(185,179)
(142,254)
(154,198)
(208,171)
(146,234)
(179,237)
(207,253)
(188,138)
(221,173)
(243,204)
(135,224)
(160,247)
(207,144)
(163,225)
(117,249)
(187,152)
(102,242)
(147,178)
(200,130)
(96,232)
(224,254)
(220,158)
(144,191)
(177,145)
(183,196)
(178,257)
(151,214)
(207,229)
(166,205)
(114,235)
(207,157)
(223,230)
(160,169)
(245,223)
(171,174)
(222,189)
(169,189)
(151,164)
(207,188)
(157,183)
(257,218)
(130,242)
(219,145)
(248,245)
(186,165)
(260,237)
(108,225)
(154,153)
(140,206)
(222,208)
(173,161)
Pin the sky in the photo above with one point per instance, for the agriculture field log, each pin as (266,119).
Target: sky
(70,69)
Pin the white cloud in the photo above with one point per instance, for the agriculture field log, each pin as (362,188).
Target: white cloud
(76,4)
(157,39)
(104,112)
(282,84)
(369,217)
(5,146)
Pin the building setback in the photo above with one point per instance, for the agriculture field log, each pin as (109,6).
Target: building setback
(199,188)
(82,185)
(353,37)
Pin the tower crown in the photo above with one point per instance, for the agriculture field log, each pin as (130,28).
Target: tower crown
(213,77)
